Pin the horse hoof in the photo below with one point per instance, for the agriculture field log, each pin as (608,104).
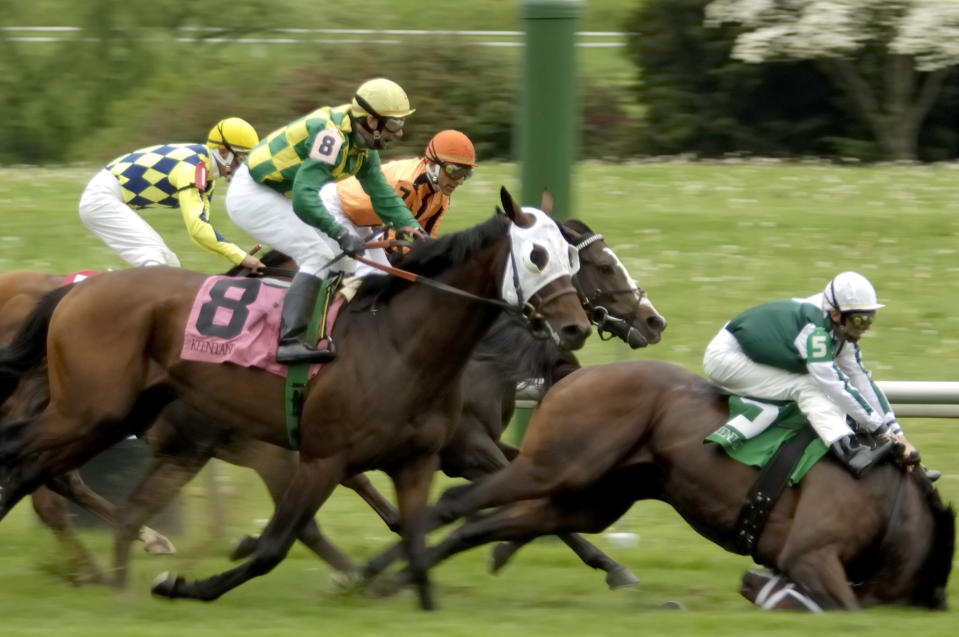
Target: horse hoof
(672,606)
(164,585)
(621,577)
(500,556)
(159,545)
(244,547)
(347,581)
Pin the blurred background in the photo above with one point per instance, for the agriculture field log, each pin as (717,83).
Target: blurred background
(654,76)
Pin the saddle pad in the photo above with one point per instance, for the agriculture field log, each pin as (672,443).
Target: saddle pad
(759,449)
(237,320)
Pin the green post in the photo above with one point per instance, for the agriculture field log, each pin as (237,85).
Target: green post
(548,127)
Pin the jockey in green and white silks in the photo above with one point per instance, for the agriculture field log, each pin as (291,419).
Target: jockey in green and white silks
(275,197)
(806,350)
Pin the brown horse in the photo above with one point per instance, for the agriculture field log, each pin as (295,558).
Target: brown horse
(184,441)
(113,364)
(609,435)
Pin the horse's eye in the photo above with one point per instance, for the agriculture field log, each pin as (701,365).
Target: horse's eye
(606,269)
(539,257)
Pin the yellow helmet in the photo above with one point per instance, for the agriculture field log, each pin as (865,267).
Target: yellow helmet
(381,98)
(233,134)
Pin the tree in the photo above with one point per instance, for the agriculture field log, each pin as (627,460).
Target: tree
(890,58)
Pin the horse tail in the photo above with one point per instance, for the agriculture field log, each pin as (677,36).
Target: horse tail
(28,348)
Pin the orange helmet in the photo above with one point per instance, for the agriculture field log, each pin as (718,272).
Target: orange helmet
(451,147)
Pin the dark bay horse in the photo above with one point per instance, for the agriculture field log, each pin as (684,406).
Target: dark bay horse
(113,364)
(608,435)
(184,441)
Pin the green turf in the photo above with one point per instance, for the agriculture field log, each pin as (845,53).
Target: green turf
(706,241)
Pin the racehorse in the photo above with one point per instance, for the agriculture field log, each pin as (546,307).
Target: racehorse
(608,435)
(184,441)
(106,384)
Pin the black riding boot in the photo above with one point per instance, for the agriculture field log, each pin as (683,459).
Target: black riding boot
(294,319)
(858,457)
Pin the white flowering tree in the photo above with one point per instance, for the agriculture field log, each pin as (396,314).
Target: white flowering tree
(889,57)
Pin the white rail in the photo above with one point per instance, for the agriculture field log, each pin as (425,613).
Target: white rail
(910,399)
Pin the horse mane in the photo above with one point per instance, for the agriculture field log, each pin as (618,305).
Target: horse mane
(575,225)
(431,257)
(930,590)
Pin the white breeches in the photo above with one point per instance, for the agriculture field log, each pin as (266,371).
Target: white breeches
(119,226)
(268,217)
(727,365)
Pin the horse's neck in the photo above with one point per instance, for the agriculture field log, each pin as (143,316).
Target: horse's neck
(439,320)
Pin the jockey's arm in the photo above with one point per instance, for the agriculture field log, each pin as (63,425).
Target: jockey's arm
(387,205)
(313,175)
(842,392)
(195,208)
(849,362)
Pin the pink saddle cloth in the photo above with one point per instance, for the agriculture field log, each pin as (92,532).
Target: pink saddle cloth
(237,320)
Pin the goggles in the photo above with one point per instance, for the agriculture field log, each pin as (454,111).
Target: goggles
(457,171)
(394,124)
(860,321)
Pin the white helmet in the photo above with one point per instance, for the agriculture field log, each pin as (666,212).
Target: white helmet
(850,292)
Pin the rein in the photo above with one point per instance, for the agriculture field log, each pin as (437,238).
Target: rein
(897,504)
(527,310)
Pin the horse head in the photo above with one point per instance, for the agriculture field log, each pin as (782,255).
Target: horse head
(538,274)
(614,301)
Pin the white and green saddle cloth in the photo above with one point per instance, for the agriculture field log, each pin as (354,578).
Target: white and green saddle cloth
(756,429)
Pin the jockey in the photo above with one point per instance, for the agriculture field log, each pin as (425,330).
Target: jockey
(167,176)
(274,197)
(807,350)
(424,183)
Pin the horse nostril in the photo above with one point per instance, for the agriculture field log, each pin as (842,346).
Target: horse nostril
(656,323)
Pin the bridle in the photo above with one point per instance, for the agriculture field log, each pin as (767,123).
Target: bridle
(598,314)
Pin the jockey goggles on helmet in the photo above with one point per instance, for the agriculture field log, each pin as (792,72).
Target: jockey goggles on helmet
(457,171)
(860,321)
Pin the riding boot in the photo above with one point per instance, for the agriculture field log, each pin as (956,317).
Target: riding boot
(858,457)
(295,317)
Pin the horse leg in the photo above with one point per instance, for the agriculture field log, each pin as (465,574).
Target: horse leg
(52,510)
(481,456)
(72,486)
(60,439)
(412,483)
(822,574)
(387,512)
(276,468)
(156,490)
(312,484)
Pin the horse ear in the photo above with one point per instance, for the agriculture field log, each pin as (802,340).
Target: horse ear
(546,202)
(514,211)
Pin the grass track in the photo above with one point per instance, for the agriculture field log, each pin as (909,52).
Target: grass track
(706,241)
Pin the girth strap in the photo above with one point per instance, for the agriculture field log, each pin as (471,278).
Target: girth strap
(298,374)
(773,478)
